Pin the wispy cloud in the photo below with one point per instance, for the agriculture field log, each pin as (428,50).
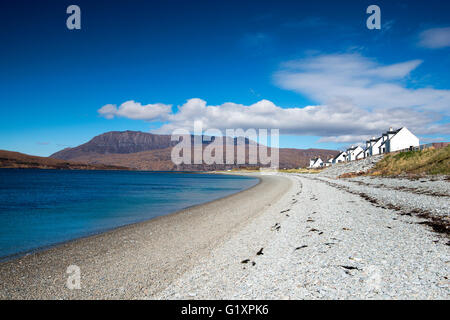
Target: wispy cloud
(309,22)
(388,25)
(256,40)
(435,38)
(362,81)
(356,99)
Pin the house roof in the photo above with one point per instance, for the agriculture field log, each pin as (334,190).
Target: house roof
(394,131)
(315,160)
(354,148)
(340,154)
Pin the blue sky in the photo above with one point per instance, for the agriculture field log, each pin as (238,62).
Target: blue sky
(310,68)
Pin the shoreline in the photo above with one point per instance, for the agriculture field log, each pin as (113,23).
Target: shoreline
(168,244)
(18,255)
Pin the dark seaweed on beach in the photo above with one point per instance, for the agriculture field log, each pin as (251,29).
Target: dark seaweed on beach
(350,267)
(276,227)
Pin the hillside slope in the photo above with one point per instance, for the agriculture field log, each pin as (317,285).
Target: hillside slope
(10,159)
(426,162)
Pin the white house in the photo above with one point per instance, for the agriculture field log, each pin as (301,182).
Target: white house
(353,152)
(341,157)
(328,163)
(396,140)
(361,154)
(373,146)
(315,163)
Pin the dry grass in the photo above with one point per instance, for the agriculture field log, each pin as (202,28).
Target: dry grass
(426,162)
(351,174)
(257,170)
(301,170)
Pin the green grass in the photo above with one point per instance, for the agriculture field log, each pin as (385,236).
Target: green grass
(426,162)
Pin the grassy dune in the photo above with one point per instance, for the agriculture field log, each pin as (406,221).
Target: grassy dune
(429,161)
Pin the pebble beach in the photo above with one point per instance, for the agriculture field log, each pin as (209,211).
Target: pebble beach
(289,237)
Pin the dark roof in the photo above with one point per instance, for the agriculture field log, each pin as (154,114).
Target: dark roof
(353,148)
(394,131)
(342,152)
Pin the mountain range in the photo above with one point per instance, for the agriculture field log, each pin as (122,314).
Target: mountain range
(147,151)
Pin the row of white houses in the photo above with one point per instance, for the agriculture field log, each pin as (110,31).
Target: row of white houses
(390,141)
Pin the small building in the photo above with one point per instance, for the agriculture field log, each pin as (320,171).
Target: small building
(400,139)
(329,162)
(315,163)
(341,157)
(360,155)
(373,146)
(353,152)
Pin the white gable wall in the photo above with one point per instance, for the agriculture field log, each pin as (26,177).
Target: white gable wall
(317,164)
(340,158)
(376,147)
(402,140)
(353,153)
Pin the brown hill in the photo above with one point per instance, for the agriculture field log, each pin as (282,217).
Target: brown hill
(146,151)
(117,142)
(10,159)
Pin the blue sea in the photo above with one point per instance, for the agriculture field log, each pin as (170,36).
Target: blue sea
(40,208)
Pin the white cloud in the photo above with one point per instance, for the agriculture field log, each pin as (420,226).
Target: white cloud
(358,98)
(135,110)
(340,121)
(435,38)
(366,83)
(345,138)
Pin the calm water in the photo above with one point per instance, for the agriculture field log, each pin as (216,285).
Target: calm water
(39,208)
